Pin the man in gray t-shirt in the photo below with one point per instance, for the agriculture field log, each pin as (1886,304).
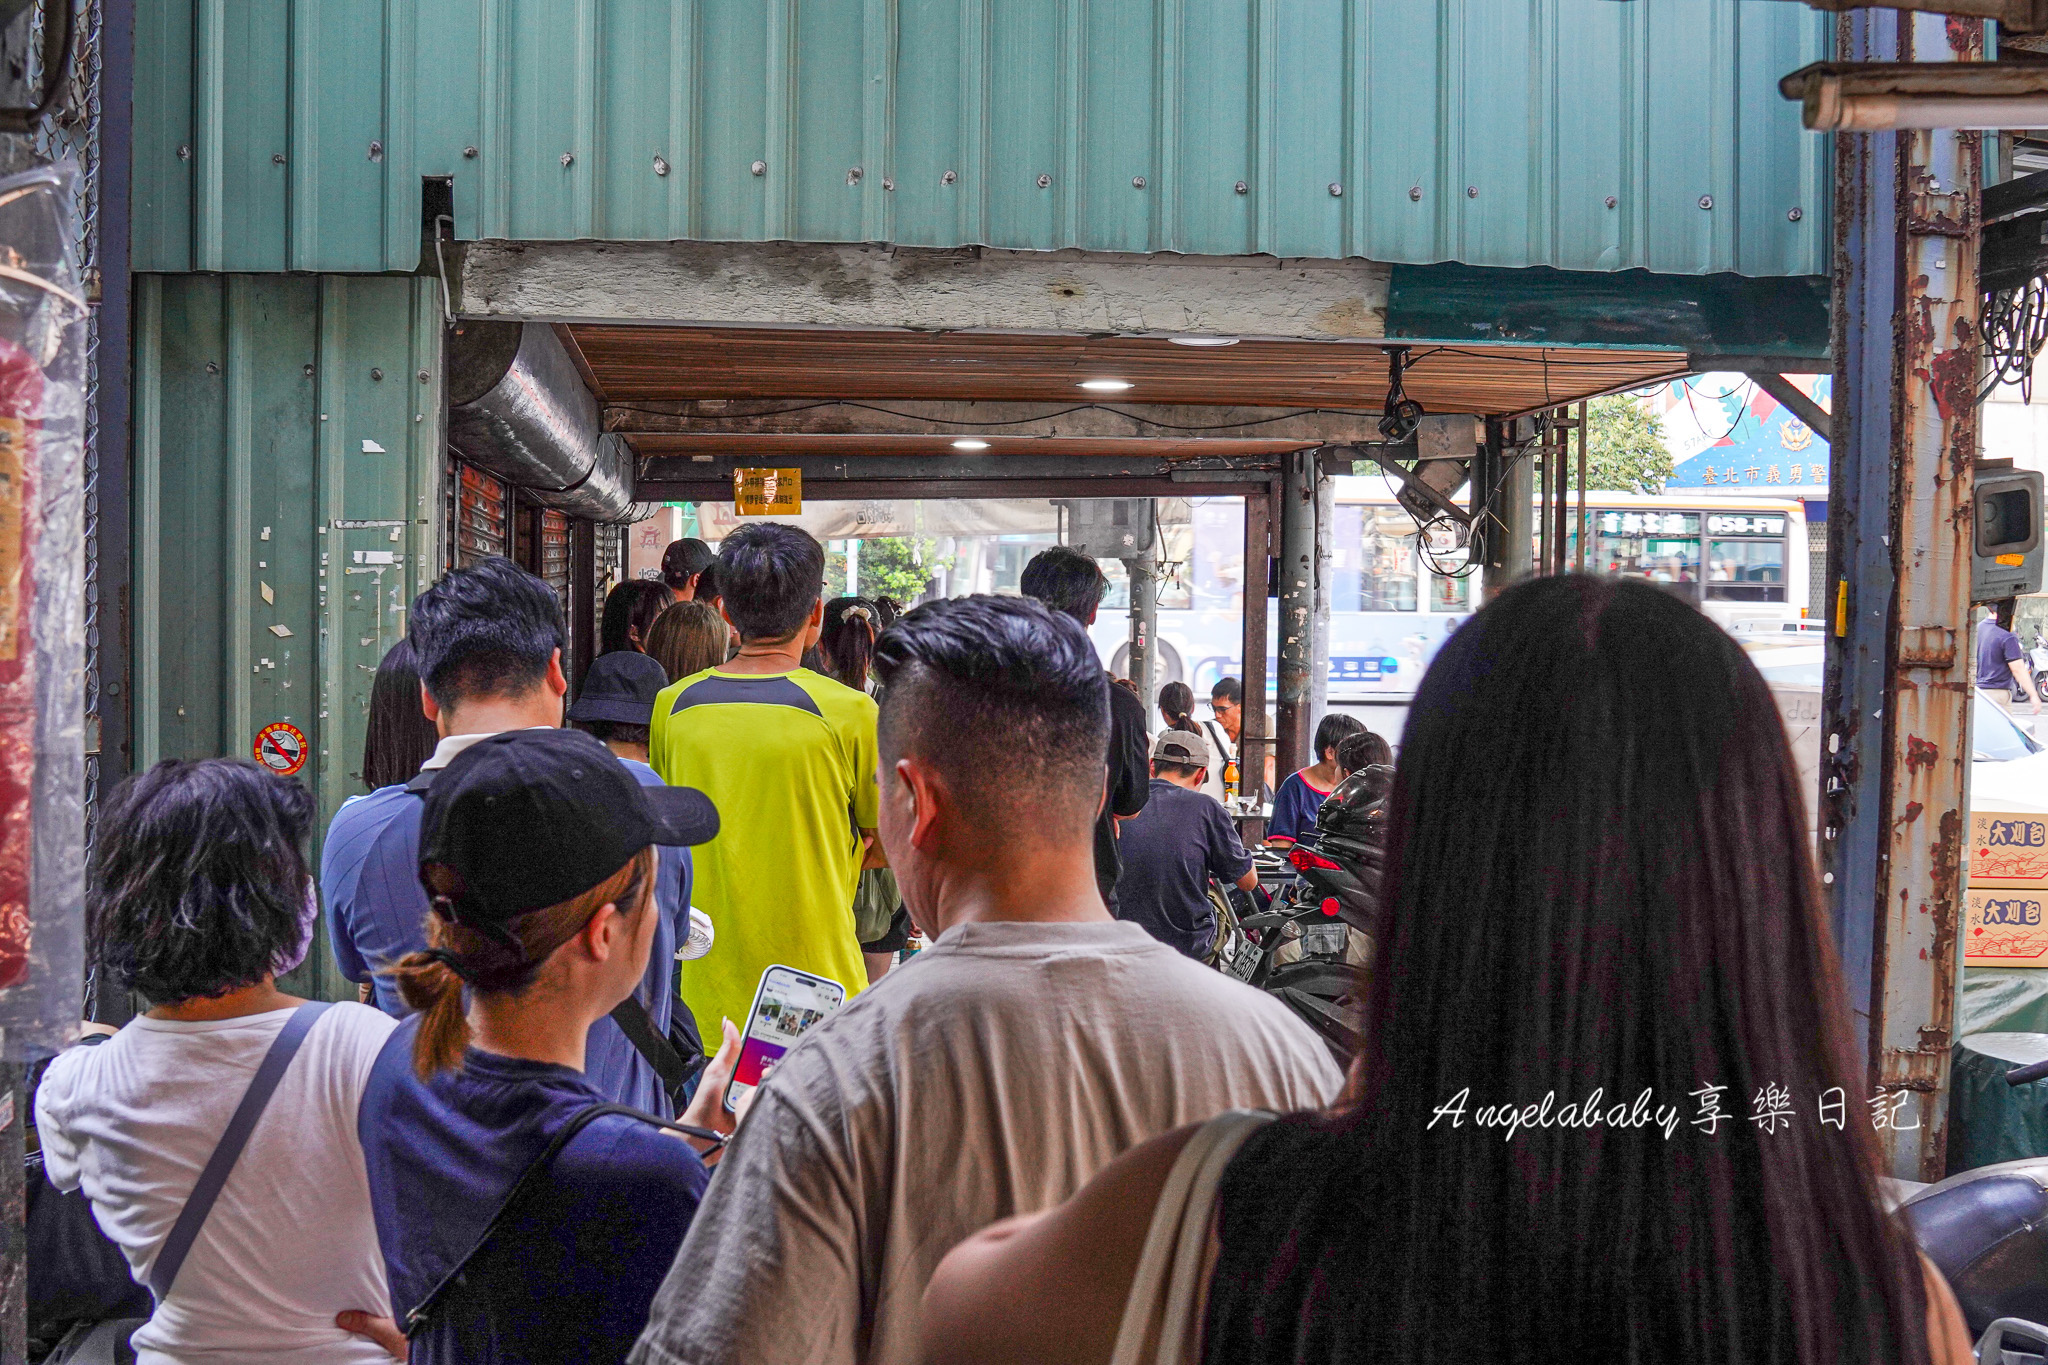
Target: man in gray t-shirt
(995,1072)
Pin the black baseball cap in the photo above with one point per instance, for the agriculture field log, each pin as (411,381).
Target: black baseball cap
(683,560)
(620,687)
(531,818)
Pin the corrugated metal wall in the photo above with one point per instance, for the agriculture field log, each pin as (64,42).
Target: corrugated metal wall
(287,472)
(293,134)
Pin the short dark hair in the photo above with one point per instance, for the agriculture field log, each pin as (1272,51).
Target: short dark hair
(1066,580)
(613,731)
(2002,611)
(485,630)
(683,560)
(198,878)
(1363,750)
(770,576)
(1008,699)
(633,605)
(1334,730)
(1230,689)
(399,737)
(1161,767)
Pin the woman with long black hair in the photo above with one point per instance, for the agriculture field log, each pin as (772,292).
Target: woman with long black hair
(1608,1105)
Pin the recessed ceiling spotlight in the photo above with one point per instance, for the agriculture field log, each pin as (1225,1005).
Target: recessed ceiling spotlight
(969,443)
(1105,385)
(1203,341)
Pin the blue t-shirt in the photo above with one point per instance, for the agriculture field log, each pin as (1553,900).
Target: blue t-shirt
(571,1278)
(377,913)
(1998,649)
(1294,808)
(1170,850)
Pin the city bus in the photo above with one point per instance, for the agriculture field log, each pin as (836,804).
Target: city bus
(1394,597)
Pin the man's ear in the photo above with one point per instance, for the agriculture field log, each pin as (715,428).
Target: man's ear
(929,801)
(428,706)
(818,612)
(557,682)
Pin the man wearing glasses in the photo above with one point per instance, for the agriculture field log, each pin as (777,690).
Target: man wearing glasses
(1226,701)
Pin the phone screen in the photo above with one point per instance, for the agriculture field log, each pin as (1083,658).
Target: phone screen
(786,1007)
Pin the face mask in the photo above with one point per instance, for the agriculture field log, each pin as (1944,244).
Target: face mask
(308,912)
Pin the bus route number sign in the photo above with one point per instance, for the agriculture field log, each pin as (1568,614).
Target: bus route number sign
(281,747)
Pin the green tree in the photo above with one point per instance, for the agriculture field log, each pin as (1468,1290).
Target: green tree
(1625,450)
(901,567)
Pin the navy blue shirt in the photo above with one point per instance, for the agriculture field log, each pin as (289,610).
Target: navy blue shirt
(1294,808)
(1171,849)
(570,1279)
(377,913)
(1998,649)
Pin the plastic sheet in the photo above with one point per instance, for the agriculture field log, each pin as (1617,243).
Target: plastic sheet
(42,615)
(2002,1000)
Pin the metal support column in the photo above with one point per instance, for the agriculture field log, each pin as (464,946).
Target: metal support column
(1581,535)
(1143,574)
(585,611)
(1897,688)
(1254,740)
(1319,621)
(1512,521)
(1297,609)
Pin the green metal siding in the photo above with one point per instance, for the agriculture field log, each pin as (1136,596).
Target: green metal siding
(1489,132)
(254,398)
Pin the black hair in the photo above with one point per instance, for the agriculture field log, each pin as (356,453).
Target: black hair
(1552,934)
(1336,727)
(770,576)
(1177,704)
(1229,689)
(683,560)
(1007,698)
(399,737)
(1066,580)
(198,878)
(613,731)
(630,610)
(1161,767)
(1363,750)
(485,630)
(2002,611)
(846,644)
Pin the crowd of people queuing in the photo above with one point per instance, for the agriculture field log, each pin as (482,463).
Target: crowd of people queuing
(1050,1135)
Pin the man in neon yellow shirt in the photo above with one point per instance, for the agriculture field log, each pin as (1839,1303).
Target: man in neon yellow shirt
(788,757)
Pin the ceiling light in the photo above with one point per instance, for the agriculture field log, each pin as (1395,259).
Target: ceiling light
(1105,385)
(1203,341)
(969,443)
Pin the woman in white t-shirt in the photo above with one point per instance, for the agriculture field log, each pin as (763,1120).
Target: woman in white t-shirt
(1177,709)
(198,898)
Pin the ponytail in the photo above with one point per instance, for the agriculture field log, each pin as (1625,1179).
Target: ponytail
(1177,704)
(494,961)
(847,641)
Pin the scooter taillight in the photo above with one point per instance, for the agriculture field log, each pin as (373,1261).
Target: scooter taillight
(1330,906)
(1304,860)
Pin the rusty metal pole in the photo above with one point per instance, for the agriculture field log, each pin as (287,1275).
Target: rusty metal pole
(1294,719)
(1897,695)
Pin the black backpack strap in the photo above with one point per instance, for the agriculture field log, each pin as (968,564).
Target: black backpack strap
(530,1180)
(674,1069)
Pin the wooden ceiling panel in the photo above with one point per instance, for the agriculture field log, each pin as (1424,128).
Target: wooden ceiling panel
(645,364)
(761,449)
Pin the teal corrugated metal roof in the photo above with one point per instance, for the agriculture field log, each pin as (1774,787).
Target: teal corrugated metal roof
(293,134)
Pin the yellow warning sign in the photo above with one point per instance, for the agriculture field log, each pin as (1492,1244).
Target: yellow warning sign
(768,492)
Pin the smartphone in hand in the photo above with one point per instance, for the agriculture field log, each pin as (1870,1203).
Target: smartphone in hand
(786,1005)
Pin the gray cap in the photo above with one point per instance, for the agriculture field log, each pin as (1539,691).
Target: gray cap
(1181,746)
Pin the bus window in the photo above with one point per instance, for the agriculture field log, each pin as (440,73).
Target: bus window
(1663,547)
(1449,594)
(1372,558)
(1215,569)
(1746,570)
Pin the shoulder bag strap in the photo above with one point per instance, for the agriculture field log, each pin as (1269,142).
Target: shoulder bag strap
(422,1313)
(1168,1284)
(671,1066)
(170,1259)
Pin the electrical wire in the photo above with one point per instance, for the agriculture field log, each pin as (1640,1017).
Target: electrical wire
(984,424)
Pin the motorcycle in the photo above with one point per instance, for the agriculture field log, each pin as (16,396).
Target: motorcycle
(1309,943)
(2037,660)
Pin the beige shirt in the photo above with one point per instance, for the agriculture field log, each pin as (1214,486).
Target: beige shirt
(990,1075)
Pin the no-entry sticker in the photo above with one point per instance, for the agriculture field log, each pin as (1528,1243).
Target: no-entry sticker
(281,747)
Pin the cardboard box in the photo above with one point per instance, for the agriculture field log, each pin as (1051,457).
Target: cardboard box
(2005,928)
(2009,850)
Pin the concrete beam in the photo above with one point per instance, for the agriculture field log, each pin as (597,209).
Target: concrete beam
(788,284)
(780,417)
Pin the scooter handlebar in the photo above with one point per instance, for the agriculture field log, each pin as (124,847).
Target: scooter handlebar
(2020,1075)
